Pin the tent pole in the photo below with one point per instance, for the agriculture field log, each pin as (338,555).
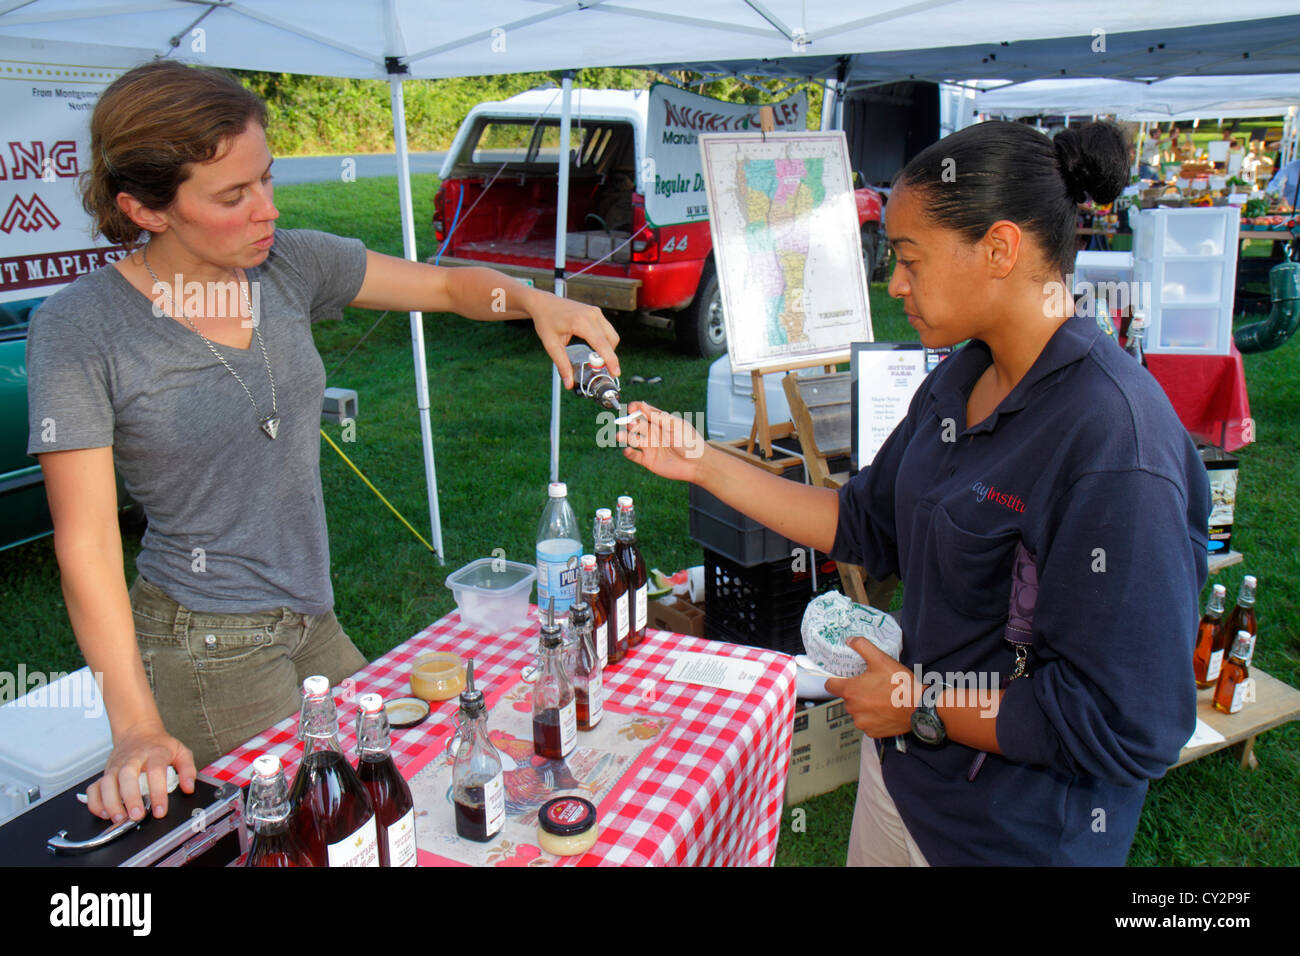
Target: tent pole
(417,318)
(561,228)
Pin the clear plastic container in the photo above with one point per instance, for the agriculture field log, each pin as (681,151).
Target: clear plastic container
(492,594)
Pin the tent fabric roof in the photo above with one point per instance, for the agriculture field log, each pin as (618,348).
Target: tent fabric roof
(930,39)
(1180,98)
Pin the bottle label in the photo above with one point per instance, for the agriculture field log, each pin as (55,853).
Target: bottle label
(602,644)
(494,803)
(620,615)
(557,573)
(641,610)
(595,699)
(568,728)
(401,841)
(1238,697)
(358,848)
(1215,665)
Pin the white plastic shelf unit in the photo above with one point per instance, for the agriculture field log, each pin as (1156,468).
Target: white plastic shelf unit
(1185,263)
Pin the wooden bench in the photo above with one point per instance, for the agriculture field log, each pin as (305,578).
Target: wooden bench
(1276,703)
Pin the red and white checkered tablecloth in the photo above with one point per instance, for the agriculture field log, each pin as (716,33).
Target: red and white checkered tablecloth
(710,794)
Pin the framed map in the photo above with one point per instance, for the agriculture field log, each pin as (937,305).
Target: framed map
(785,241)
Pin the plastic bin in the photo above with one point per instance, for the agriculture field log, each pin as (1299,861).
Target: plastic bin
(763,605)
(492,594)
(722,529)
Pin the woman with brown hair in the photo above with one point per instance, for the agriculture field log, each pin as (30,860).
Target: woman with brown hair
(189,364)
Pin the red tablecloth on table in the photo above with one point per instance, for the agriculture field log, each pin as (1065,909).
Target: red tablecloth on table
(710,794)
(1209,394)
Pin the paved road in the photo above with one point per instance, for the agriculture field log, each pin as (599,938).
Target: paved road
(290,170)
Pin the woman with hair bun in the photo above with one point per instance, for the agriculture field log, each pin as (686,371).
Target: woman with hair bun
(1047,514)
(189,365)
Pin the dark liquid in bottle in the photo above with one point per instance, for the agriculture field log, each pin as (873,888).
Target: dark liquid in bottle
(471,818)
(546,734)
(633,565)
(330,803)
(389,795)
(276,847)
(613,585)
(582,705)
(599,618)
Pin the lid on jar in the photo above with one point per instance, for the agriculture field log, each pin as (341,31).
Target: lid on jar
(567,816)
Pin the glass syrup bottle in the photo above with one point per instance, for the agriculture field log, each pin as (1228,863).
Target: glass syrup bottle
(1243,616)
(592,594)
(477,781)
(268,812)
(588,678)
(555,718)
(613,586)
(1210,640)
(333,815)
(1230,692)
(389,793)
(629,557)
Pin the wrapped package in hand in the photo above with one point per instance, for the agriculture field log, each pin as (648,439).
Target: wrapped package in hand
(831,619)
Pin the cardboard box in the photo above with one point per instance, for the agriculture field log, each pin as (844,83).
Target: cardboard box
(824,751)
(1222,469)
(675,613)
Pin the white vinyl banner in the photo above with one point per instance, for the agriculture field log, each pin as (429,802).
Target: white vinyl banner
(45,239)
(672,179)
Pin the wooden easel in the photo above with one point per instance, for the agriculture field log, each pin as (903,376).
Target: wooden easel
(762,432)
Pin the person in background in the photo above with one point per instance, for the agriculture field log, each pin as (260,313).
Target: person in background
(189,365)
(1044,508)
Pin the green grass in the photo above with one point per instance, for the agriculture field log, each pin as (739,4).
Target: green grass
(490,398)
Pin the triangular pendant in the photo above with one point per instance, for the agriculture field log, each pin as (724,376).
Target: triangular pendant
(271,425)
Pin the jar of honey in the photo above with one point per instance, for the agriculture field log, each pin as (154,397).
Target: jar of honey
(566,826)
(437,676)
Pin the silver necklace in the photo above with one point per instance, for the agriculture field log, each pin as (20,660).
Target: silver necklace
(271,423)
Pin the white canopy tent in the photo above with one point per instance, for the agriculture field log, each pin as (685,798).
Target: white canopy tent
(1177,98)
(877,42)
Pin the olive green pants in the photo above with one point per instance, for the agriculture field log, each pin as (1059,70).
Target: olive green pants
(220,679)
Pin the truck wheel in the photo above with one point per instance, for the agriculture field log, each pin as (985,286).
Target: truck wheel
(871,250)
(700,327)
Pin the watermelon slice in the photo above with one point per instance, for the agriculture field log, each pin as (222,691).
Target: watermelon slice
(661,584)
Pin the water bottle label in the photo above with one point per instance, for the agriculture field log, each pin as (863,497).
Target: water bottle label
(494,803)
(359,848)
(557,573)
(401,841)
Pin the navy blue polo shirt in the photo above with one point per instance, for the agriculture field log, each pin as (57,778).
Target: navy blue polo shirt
(1086,464)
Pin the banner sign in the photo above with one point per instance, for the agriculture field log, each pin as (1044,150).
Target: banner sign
(677,193)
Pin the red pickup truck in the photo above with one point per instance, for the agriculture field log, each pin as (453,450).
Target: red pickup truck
(496,203)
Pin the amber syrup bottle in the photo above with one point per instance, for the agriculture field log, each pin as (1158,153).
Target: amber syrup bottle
(555,718)
(268,814)
(1211,637)
(1243,616)
(629,557)
(592,594)
(588,679)
(613,586)
(477,781)
(1230,692)
(333,816)
(389,793)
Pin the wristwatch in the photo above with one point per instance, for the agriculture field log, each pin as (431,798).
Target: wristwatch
(926,724)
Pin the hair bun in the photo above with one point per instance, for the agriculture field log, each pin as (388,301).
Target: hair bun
(1093,161)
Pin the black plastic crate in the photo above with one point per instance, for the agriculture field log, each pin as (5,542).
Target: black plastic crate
(762,605)
(719,528)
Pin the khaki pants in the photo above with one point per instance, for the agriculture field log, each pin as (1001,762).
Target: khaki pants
(219,679)
(879,837)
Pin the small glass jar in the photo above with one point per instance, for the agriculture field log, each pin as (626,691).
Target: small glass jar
(566,826)
(437,676)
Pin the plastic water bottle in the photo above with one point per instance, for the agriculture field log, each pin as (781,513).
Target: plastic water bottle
(559,546)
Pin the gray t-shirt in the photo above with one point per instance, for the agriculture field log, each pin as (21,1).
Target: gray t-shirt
(236,520)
